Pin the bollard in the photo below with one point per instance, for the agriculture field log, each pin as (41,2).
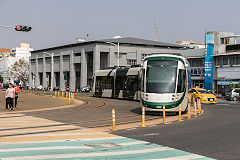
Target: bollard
(55,94)
(143,117)
(164,115)
(66,94)
(58,94)
(189,111)
(62,94)
(179,112)
(22,89)
(113,120)
(72,97)
(198,106)
(195,108)
(69,98)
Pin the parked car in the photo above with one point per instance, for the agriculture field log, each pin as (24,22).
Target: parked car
(40,87)
(202,94)
(86,89)
(232,94)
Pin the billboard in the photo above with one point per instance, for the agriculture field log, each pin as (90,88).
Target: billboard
(209,51)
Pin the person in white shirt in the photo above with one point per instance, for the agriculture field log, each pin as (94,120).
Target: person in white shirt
(10,95)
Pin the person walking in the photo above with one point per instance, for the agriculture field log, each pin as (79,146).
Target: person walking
(10,94)
(17,91)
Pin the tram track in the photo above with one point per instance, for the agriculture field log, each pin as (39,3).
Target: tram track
(93,110)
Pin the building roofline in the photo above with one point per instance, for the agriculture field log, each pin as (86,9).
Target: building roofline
(120,40)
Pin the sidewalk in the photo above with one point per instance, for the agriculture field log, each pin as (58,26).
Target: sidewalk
(30,102)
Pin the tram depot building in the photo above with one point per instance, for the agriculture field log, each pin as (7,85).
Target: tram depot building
(75,64)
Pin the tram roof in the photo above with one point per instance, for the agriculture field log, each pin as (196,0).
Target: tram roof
(105,72)
(119,71)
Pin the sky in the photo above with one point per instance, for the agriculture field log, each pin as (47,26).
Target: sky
(60,22)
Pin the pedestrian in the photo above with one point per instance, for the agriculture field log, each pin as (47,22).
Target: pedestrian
(17,91)
(10,94)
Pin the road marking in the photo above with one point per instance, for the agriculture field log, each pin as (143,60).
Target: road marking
(131,129)
(133,143)
(59,134)
(60,140)
(188,157)
(99,154)
(44,148)
(152,125)
(151,134)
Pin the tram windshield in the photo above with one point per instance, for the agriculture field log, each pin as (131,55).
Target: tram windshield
(161,76)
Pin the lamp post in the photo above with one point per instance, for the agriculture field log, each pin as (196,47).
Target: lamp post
(117,45)
(52,71)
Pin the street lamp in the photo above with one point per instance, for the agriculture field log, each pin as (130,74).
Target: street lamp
(52,72)
(117,45)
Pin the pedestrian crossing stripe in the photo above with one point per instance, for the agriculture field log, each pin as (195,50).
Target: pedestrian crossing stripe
(68,142)
(126,148)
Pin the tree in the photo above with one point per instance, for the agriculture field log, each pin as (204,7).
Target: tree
(1,79)
(20,70)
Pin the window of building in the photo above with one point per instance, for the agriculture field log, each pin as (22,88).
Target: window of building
(66,57)
(143,55)
(131,61)
(226,40)
(77,54)
(219,61)
(232,60)
(238,60)
(225,60)
(56,59)
(48,59)
(196,62)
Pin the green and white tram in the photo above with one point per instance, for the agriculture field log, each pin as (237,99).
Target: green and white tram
(165,82)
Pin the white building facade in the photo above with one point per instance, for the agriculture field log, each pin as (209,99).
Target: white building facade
(9,57)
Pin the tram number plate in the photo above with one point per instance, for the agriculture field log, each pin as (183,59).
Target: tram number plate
(159,107)
(211,99)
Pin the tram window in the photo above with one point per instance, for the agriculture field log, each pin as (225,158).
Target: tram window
(132,83)
(104,82)
(142,83)
(161,76)
(120,82)
(181,81)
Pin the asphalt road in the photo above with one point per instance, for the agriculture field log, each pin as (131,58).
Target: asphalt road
(215,134)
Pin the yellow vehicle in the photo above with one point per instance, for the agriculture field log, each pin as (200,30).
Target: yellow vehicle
(202,94)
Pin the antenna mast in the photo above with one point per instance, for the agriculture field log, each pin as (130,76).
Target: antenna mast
(156,32)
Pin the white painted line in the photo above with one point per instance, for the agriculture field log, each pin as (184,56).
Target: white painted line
(44,148)
(152,125)
(50,126)
(60,134)
(10,114)
(168,123)
(151,134)
(98,154)
(40,130)
(131,129)
(132,143)
(28,124)
(64,140)
(188,157)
